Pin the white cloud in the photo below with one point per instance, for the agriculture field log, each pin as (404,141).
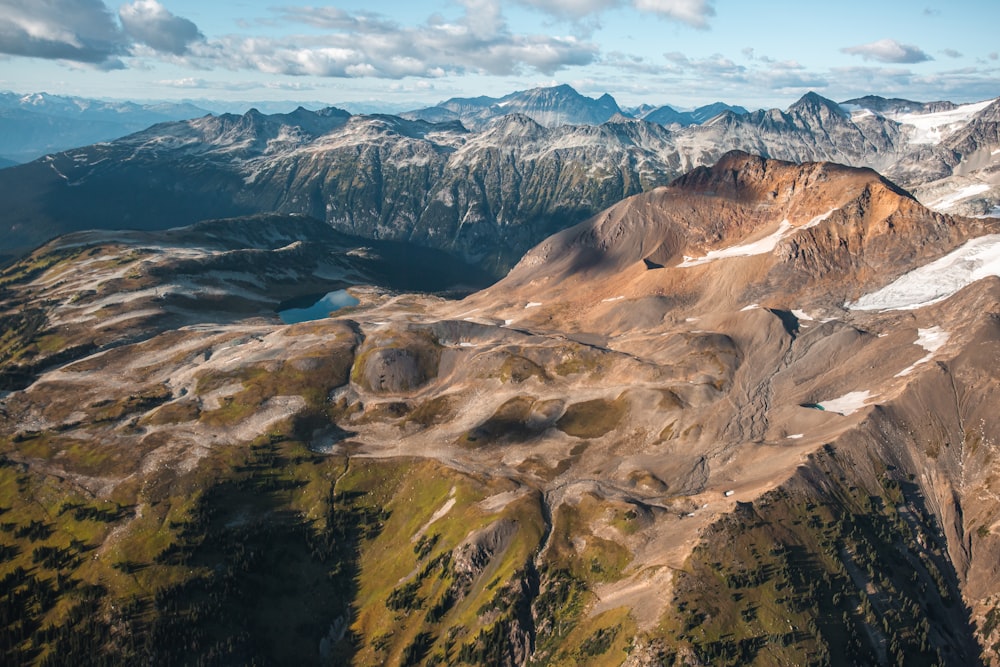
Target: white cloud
(572,9)
(78,30)
(889,51)
(695,13)
(366,45)
(148,22)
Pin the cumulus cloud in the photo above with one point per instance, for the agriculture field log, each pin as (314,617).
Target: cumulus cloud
(148,22)
(695,13)
(84,31)
(952,53)
(191,83)
(368,45)
(715,66)
(889,51)
(572,9)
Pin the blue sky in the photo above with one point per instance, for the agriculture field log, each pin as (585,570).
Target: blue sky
(679,52)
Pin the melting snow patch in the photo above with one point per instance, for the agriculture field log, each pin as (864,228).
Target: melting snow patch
(972,261)
(848,403)
(802,315)
(507,323)
(948,201)
(759,247)
(931,340)
(614,298)
(533,304)
(752,306)
(818,219)
(797,436)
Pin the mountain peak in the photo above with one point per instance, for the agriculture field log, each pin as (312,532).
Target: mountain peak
(741,174)
(813,102)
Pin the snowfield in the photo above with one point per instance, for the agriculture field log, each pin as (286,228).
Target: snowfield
(931,128)
(948,201)
(974,260)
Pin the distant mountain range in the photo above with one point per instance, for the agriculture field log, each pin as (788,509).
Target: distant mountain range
(486,194)
(559,105)
(38,124)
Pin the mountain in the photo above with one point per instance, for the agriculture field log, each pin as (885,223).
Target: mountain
(896,105)
(667,115)
(551,107)
(38,124)
(746,417)
(709,111)
(486,196)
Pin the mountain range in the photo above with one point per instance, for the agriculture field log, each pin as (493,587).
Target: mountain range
(747,417)
(559,105)
(484,195)
(37,124)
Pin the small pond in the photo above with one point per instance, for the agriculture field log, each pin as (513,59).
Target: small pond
(321,307)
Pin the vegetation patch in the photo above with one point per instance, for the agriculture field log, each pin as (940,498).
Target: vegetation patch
(438,410)
(508,423)
(852,578)
(267,380)
(517,369)
(594,418)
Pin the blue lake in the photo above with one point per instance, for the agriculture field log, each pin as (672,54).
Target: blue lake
(321,308)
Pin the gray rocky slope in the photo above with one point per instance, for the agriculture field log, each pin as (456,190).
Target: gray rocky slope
(486,195)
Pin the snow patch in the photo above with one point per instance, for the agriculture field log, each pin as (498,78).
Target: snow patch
(802,315)
(948,201)
(759,247)
(938,280)
(752,306)
(533,304)
(818,219)
(444,509)
(797,436)
(615,298)
(932,340)
(848,403)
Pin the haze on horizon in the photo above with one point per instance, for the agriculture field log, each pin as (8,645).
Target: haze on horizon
(679,52)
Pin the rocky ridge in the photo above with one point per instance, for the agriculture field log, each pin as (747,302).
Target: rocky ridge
(486,195)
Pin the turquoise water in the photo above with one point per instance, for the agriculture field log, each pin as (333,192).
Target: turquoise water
(322,308)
